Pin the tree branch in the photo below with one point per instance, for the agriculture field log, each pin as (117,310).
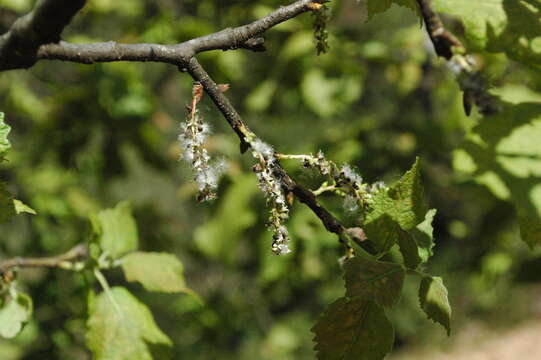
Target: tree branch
(443,40)
(44,24)
(246,36)
(245,134)
(64,261)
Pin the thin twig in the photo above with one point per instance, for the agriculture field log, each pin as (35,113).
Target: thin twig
(64,261)
(324,188)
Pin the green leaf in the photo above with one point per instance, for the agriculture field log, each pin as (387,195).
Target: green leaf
(503,153)
(351,329)
(7,208)
(516,93)
(122,328)
(409,249)
(374,7)
(416,244)
(383,233)
(117,230)
(4,142)
(434,302)
(423,236)
(378,281)
(509,26)
(155,271)
(401,207)
(21,207)
(403,202)
(14,315)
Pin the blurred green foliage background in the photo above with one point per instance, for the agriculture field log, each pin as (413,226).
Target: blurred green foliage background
(86,137)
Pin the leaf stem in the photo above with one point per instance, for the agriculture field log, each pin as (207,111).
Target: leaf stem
(105,285)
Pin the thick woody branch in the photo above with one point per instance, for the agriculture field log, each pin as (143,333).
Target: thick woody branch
(443,40)
(44,24)
(64,261)
(246,36)
(235,121)
(111,51)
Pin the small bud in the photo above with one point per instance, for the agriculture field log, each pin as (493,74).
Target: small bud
(314,6)
(223,87)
